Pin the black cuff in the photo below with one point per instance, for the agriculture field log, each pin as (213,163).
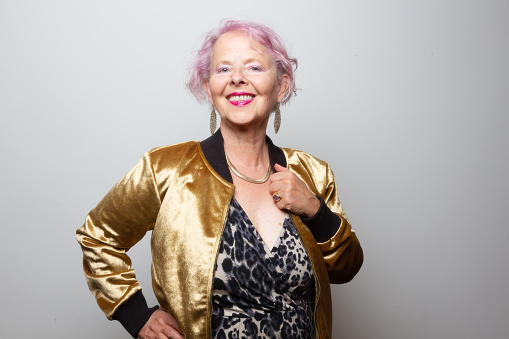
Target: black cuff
(134,313)
(324,223)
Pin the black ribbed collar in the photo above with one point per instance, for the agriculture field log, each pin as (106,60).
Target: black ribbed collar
(213,149)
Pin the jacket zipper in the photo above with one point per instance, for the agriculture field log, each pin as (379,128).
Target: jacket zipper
(215,263)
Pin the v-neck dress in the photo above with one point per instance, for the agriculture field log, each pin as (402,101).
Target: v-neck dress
(260,292)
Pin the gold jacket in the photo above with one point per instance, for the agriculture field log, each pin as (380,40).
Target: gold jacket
(182,193)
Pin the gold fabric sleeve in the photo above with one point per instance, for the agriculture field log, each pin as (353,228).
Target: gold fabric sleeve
(342,253)
(118,222)
(338,259)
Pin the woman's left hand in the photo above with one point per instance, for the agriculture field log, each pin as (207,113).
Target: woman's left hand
(295,195)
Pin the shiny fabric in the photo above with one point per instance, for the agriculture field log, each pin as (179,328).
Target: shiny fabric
(176,193)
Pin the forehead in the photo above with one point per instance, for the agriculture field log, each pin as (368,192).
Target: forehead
(237,44)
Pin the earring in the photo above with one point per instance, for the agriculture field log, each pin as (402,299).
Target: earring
(213,120)
(277,118)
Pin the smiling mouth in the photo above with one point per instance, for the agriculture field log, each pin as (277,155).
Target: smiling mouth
(240,98)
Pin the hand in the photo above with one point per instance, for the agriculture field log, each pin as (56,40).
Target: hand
(161,325)
(295,195)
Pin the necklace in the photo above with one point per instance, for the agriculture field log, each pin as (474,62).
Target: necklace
(246,178)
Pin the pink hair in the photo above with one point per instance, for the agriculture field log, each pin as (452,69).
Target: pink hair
(199,70)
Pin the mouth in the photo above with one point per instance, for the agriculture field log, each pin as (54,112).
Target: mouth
(240,99)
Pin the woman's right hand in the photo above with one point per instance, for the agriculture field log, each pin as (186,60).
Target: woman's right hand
(160,325)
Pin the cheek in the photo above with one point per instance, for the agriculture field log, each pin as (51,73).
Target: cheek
(274,85)
(266,85)
(216,86)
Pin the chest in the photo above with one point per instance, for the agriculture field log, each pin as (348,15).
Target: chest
(260,208)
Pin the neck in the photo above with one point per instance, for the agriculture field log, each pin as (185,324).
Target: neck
(246,148)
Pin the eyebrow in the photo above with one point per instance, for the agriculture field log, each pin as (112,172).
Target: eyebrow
(247,61)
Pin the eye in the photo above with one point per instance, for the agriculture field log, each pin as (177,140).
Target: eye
(255,68)
(222,69)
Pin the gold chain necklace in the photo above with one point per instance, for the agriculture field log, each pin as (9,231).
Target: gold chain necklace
(246,178)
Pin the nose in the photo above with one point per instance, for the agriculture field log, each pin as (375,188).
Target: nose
(238,77)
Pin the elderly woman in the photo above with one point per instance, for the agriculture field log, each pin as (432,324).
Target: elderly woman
(246,236)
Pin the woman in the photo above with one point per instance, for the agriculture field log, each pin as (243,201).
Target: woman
(246,236)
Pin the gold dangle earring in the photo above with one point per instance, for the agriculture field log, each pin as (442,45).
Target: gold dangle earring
(277,118)
(213,120)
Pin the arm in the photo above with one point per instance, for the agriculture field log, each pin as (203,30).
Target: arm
(116,224)
(328,222)
(340,247)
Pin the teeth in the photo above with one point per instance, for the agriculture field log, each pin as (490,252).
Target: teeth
(240,97)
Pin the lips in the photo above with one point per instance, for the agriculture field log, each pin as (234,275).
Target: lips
(240,98)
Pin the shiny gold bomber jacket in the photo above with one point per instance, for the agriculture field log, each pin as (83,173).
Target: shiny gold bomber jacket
(181,194)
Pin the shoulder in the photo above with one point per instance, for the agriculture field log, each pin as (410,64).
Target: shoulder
(315,172)
(173,149)
(300,158)
(171,155)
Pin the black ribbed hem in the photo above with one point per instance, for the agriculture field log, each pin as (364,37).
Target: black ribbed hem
(324,223)
(134,313)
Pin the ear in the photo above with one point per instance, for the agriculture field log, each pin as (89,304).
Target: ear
(284,84)
(206,87)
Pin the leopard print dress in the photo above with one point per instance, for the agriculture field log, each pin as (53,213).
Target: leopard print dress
(260,292)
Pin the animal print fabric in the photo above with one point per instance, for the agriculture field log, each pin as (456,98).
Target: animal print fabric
(260,292)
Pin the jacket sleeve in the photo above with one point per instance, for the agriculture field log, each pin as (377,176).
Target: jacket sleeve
(118,222)
(330,226)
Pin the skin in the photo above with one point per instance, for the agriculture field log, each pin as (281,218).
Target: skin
(161,325)
(242,65)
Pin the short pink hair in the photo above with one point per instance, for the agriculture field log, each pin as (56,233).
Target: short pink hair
(199,70)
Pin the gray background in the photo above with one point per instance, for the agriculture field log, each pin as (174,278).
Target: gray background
(407,100)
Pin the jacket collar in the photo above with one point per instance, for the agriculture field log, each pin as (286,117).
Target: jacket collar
(213,149)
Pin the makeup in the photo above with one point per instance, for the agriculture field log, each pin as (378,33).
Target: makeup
(240,98)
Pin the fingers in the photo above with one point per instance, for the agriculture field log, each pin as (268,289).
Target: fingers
(280,168)
(281,174)
(290,193)
(161,325)
(170,320)
(284,199)
(280,181)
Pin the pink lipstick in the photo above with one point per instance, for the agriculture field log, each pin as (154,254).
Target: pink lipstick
(240,98)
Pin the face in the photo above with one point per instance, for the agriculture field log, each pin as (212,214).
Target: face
(243,84)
